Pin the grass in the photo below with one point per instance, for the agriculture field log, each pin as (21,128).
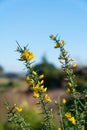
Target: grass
(6,85)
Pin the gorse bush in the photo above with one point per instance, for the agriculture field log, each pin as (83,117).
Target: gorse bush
(72,111)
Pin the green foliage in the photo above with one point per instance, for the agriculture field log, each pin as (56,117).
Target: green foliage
(1,127)
(34,117)
(15,119)
(74,113)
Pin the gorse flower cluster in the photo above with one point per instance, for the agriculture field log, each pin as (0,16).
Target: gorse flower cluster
(17,108)
(26,55)
(36,83)
(70,118)
(72,111)
(15,117)
(72,108)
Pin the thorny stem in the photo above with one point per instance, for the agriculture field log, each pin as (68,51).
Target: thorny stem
(46,111)
(73,89)
(70,77)
(60,112)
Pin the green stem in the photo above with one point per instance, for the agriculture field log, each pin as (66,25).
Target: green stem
(60,112)
(46,111)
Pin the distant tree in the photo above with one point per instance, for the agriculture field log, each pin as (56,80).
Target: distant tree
(53,76)
(1,70)
(11,75)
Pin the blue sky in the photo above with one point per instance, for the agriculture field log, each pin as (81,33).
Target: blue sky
(32,21)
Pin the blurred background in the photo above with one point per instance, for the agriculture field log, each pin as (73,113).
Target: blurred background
(31,22)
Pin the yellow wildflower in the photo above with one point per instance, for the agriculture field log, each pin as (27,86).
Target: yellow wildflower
(57,45)
(68,90)
(42,81)
(35,88)
(59,128)
(69,84)
(28,80)
(17,108)
(68,114)
(47,98)
(72,120)
(41,76)
(62,41)
(34,73)
(74,65)
(26,55)
(64,101)
(52,37)
(35,94)
(42,89)
(83,127)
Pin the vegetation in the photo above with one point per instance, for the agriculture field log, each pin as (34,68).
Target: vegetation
(72,111)
(53,77)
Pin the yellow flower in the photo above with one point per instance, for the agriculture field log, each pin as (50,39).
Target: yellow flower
(35,88)
(35,94)
(83,127)
(68,90)
(34,73)
(74,65)
(57,45)
(52,37)
(28,80)
(62,41)
(68,114)
(42,89)
(41,76)
(69,84)
(42,81)
(18,109)
(64,101)
(47,98)
(26,55)
(72,120)
(59,128)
